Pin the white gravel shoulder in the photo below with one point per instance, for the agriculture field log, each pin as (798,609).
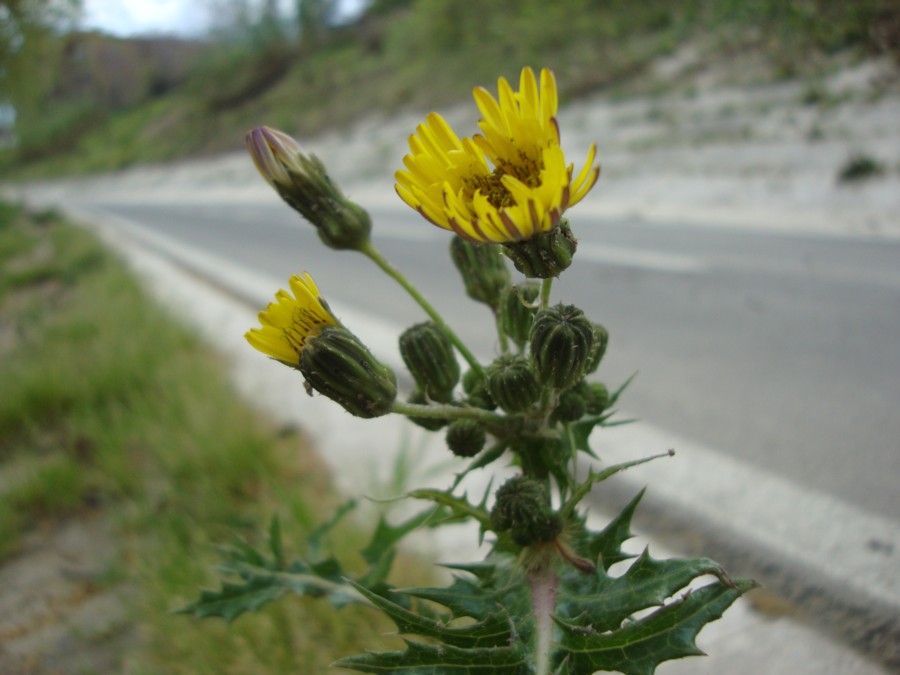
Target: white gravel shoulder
(706,152)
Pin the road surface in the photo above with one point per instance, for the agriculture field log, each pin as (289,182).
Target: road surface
(780,351)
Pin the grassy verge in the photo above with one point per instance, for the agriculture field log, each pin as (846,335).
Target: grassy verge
(110,409)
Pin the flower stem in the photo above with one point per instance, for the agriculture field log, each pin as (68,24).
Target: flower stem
(439,411)
(501,334)
(546,286)
(543,603)
(375,256)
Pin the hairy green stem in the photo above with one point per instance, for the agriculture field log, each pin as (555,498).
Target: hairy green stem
(504,340)
(546,286)
(543,603)
(440,411)
(375,256)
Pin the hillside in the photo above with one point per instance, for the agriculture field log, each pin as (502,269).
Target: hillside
(110,103)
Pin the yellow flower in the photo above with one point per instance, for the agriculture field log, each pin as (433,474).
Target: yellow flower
(509,183)
(290,321)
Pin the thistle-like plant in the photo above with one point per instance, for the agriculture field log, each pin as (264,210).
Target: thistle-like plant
(544,600)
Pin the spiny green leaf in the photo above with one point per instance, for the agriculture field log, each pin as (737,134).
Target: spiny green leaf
(425,659)
(606,546)
(618,392)
(462,597)
(602,602)
(379,552)
(314,542)
(458,505)
(488,456)
(579,433)
(640,646)
(492,631)
(234,599)
(599,476)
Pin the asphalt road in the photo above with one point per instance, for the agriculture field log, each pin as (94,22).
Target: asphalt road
(780,351)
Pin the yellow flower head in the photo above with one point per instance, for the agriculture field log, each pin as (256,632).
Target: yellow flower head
(291,320)
(505,185)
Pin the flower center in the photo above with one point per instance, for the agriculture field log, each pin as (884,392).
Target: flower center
(304,324)
(523,168)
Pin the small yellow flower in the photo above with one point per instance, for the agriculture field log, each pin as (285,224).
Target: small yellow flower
(509,183)
(290,321)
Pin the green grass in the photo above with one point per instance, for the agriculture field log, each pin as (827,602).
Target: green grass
(109,407)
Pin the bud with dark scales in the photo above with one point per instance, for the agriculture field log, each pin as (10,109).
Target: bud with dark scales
(476,388)
(523,509)
(512,383)
(518,310)
(465,438)
(336,364)
(429,423)
(598,348)
(561,339)
(545,255)
(599,399)
(573,404)
(302,181)
(483,270)
(429,355)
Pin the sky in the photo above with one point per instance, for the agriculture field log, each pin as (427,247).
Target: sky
(186,18)
(138,17)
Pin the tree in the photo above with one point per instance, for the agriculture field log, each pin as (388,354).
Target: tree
(30,40)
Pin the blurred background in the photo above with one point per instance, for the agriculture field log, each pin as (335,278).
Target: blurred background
(100,84)
(741,247)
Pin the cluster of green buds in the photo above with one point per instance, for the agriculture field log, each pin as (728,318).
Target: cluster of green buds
(503,194)
(520,402)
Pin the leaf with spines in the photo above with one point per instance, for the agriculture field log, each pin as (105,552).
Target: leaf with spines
(426,659)
(460,507)
(380,551)
(493,630)
(233,599)
(641,645)
(598,623)
(602,602)
(605,546)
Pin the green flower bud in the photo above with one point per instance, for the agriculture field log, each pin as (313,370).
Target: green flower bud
(428,354)
(573,404)
(465,438)
(518,310)
(429,423)
(544,255)
(475,385)
(483,270)
(598,348)
(561,338)
(302,181)
(336,364)
(522,507)
(599,399)
(512,383)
